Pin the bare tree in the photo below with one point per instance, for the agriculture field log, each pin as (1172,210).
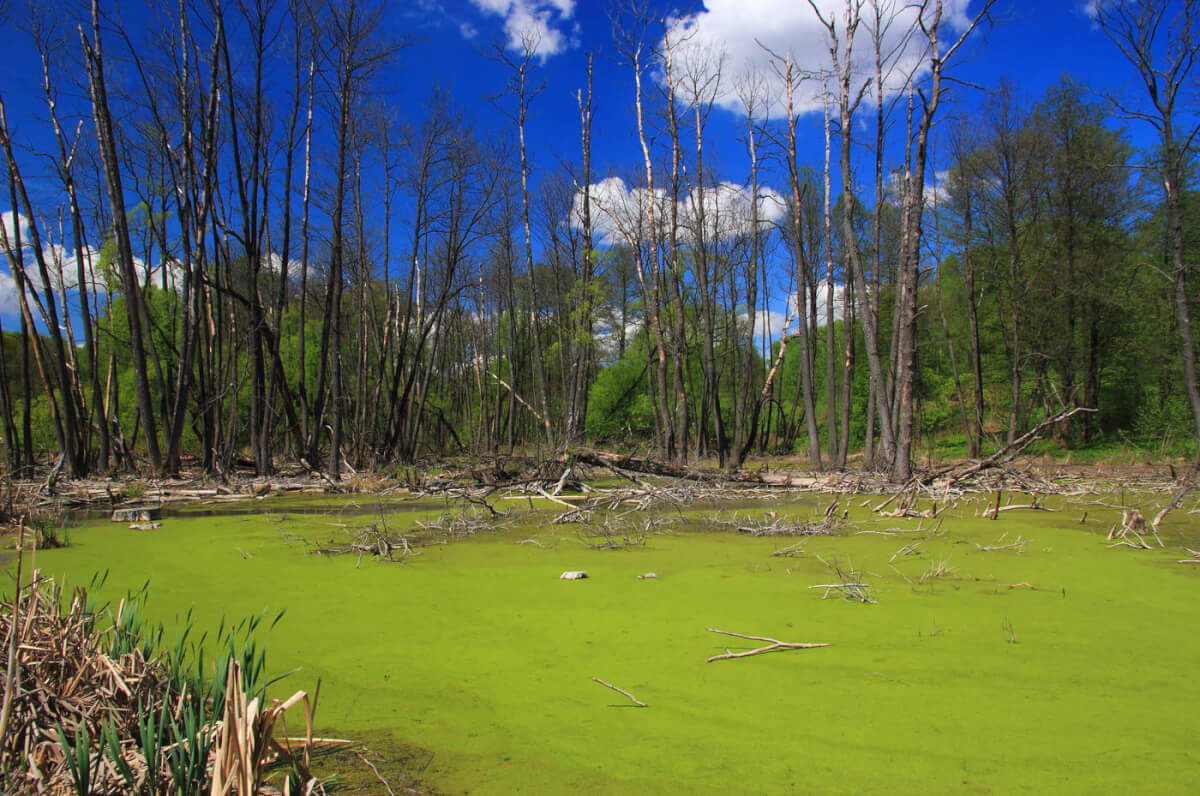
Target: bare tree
(521,86)
(105,134)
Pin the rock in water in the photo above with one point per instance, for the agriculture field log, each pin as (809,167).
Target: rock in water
(573,574)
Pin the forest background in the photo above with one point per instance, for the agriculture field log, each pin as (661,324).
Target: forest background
(360,235)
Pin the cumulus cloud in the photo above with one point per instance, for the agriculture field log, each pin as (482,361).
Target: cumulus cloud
(9,303)
(839,303)
(10,228)
(536,24)
(768,324)
(619,213)
(936,191)
(60,261)
(742,28)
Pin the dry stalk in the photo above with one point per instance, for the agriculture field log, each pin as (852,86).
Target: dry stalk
(939,569)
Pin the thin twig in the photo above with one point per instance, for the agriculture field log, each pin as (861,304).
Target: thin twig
(637,702)
(378,776)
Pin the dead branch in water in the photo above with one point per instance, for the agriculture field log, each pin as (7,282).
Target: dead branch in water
(796,549)
(850,585)
(1174,504)
(773,645)
(907,550)
(771,524)
(1132,532)
(1018,545)
(637,702)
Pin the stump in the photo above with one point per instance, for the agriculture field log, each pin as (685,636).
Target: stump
(136,514)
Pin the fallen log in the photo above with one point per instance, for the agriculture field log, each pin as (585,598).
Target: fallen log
(624,465)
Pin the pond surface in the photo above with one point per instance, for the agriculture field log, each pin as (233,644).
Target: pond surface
(1063,665)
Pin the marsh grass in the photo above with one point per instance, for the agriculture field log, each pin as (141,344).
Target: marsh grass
(101,702)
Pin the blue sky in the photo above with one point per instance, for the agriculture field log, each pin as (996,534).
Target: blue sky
(1031,44)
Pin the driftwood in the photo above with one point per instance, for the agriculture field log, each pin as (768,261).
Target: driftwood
(636,702)
(773,645)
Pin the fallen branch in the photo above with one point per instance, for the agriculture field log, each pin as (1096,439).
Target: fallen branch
(521,400)
(637,702)
(773,645)
(1006,453)
(1162,515)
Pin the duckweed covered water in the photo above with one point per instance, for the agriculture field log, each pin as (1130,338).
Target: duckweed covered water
(478,653)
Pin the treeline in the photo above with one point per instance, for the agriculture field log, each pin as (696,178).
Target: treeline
(240,251)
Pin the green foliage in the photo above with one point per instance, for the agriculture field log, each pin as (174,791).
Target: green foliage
(619,403)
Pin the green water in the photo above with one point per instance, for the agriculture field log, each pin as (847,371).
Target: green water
(479,654)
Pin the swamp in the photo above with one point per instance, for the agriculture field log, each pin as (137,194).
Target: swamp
(633,396)
(1033,648)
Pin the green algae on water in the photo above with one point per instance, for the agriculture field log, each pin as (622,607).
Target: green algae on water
(1060,665)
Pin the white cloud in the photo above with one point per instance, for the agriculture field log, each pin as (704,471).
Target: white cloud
(728,210)
(737,27)
(529,23)
(768,324)
(935,187)
(9,303)
(839,302)
(619,213)
(6,219)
